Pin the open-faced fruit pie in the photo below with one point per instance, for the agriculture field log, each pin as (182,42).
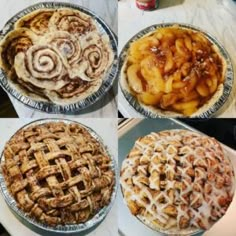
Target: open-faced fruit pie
(174,71)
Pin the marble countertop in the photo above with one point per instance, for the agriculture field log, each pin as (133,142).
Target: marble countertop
(107,10)
(109,226)
(218,17)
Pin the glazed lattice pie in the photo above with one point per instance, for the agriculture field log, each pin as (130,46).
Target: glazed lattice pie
(177,180)
(58,173)
(56,55)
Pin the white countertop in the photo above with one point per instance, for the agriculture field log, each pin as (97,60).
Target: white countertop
(109,226)
(107,10)
(218,17)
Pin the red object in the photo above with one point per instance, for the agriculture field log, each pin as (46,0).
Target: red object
(146,4)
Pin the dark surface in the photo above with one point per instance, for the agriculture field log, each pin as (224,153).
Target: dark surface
(120,115)
(223,130)
(6,108)
(2,231)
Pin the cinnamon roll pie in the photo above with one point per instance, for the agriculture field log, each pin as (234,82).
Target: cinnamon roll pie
(58,173)
(56,55)
(177,181)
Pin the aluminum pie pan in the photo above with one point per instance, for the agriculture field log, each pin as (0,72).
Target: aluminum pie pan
(82,228)
(227,86)
(73,108)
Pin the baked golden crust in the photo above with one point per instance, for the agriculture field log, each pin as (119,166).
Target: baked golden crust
(177,180)
(59,54)
(174,71)
(58,173)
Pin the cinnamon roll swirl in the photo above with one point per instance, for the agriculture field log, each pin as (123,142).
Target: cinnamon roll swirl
(97,53)
(37,21)
(76,90)
(16,41)
(67,44)
(75,87)
(72,21)
(42,66)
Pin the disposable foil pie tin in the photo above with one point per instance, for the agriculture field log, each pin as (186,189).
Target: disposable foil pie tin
(73,108)
(229,74)
(43,229)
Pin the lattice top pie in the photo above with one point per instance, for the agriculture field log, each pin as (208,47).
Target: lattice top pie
(177,180)
(56,55)
(58,173)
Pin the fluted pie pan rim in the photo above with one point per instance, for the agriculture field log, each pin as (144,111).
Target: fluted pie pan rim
(39,227)
(72,108)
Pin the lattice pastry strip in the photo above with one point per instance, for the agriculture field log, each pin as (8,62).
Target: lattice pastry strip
(177,179)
